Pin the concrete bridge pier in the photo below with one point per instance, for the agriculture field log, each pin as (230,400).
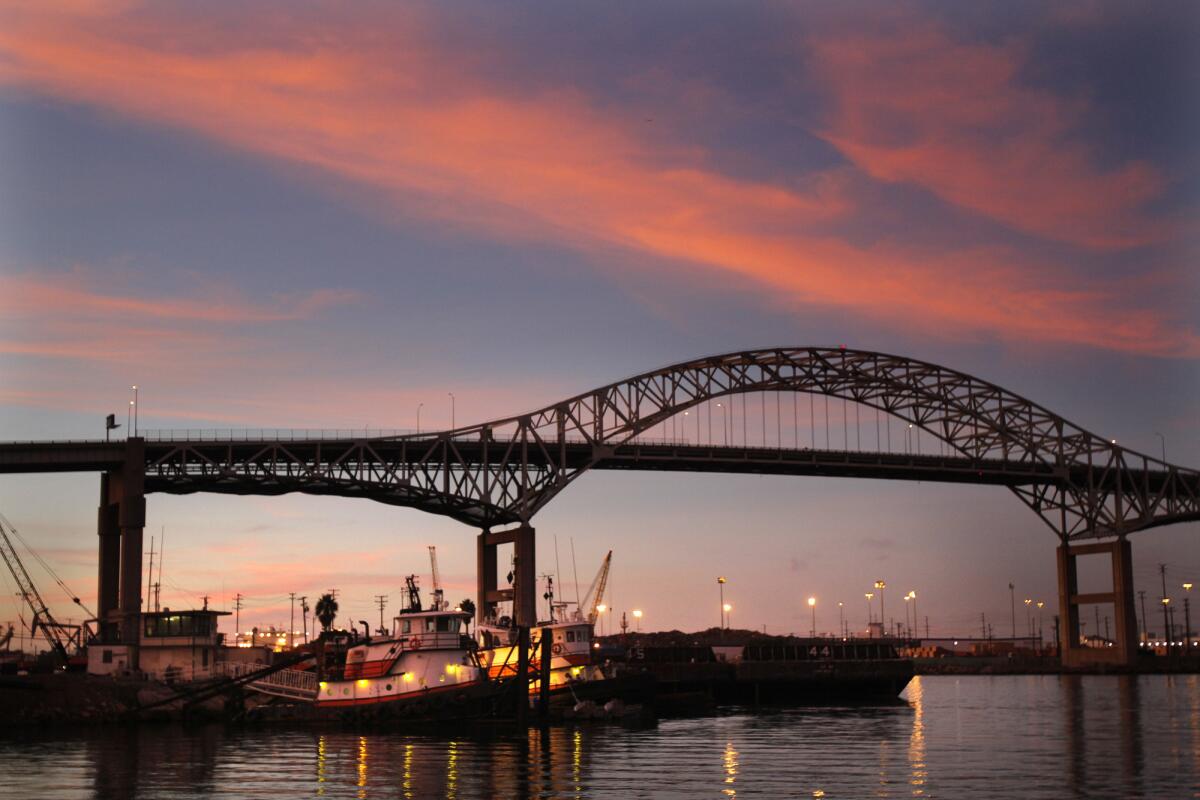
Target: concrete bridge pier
(121,519)
(524,582)
(1124,651)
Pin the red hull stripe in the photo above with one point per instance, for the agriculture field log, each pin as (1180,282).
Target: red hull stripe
(391,698)
(369,669)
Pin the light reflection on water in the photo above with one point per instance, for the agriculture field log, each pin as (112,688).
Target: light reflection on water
(979,737)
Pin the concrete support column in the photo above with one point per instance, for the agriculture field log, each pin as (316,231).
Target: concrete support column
(108,582)
(132,519)
(1068,587)
(1126,633)
(525,577)
(485,572)
(523,593)
(1124,651)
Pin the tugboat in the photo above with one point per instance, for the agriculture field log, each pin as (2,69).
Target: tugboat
(426,669)
(578,680)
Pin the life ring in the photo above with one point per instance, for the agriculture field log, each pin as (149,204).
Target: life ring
(556,649)
(414,643)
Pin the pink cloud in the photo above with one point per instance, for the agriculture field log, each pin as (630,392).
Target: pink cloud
(444,143)
(916,106)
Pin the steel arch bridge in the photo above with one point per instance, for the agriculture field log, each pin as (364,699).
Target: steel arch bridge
(504,471)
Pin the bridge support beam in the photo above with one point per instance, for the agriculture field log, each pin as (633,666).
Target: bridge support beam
(1124,650)
(108,583)
(121,519)
(524,578)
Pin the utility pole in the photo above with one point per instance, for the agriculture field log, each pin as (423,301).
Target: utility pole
(304,615)
(237,615)
(150,574)
(1145,631)
(292,621)
(381,600)
(983,624)
(926,626)
(1013,594)
(1162,570)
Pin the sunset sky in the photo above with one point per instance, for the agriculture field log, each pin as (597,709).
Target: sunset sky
(311,215)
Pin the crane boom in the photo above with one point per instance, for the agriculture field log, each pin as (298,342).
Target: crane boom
(58,635)
(595,592)
(437,579)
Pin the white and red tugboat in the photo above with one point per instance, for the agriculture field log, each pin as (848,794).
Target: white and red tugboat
(425,669)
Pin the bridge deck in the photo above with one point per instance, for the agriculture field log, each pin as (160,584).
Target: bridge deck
(21,457)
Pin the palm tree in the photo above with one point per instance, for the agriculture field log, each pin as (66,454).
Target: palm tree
(468,607)
(327,609)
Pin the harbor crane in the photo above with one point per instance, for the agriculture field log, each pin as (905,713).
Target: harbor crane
(439,604)
(66,640)
(595,593)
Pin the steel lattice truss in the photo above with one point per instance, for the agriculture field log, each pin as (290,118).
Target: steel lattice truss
(506,470)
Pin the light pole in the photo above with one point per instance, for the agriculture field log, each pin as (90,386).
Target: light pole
(135,409)
(881,585)
(419,406)
(637,615)
(870,619)
(841,620)
(600,609)
(129,420)
(907,628)
(912,595)
(452,422)
(1187,618)
(721,587)
(727,608)
(1040,604)
(1163,439)
(812,604)
(1029,616)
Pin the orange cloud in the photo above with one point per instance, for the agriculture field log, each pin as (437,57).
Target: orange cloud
(441,142)
(919,107)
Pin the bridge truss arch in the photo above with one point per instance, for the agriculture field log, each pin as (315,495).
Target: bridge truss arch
(1082,485)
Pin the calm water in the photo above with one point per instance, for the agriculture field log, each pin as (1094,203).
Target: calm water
(969,737)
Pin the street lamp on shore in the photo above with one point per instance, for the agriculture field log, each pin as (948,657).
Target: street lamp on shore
(727,607)
(869,596)
(600,609)
(881,585)
(721,586)
(812,603)
(637,615)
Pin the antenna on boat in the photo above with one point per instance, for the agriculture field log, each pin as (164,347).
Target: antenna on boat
(575,569)
(414,593)
(549,595)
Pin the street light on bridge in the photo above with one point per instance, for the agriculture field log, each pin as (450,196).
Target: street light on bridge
(812,603)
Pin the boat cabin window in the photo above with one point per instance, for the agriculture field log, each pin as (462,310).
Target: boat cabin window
(406,626)
(570,636)
(178,625)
